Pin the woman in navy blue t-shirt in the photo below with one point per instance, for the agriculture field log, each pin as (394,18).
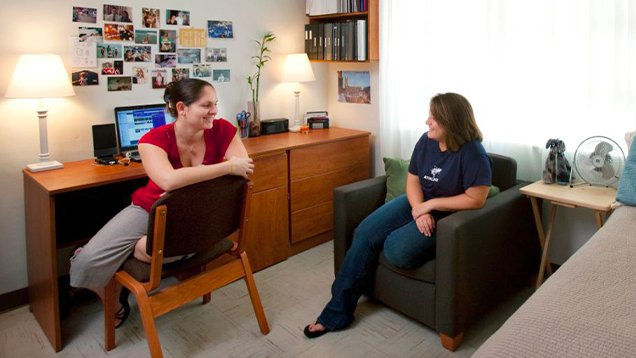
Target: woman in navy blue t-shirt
(449,171)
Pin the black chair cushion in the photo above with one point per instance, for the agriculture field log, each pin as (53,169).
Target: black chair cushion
(199,215)
(425,273)
(141,270)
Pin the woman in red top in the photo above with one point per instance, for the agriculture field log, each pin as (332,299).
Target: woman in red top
(190,150)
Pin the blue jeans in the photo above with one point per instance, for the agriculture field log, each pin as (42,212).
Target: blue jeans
(390,228)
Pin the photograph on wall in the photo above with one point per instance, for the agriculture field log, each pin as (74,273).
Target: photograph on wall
(113,68)
(140,75)
(150,18)
(114,32)
(215,54)
(109,51)
(199,71)
(179,74)
(178,17)
(84,14)
(220,29)
(118,13)
(119,84)
(167,40)
(90,34)
(189,55)
(192,38)
(163,61)
(85,78)
(137,53)
(354,87)
(159,78)
(82,54)
(147,37)
(221,76)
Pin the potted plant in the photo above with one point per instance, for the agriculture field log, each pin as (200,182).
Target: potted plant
(254,82)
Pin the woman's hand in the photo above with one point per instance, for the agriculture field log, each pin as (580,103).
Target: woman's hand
(241,166)
(426,224)
(422,209)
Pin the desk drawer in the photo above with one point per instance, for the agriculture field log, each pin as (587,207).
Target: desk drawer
(311,221)
(319,189)
(324,158)
(269,172)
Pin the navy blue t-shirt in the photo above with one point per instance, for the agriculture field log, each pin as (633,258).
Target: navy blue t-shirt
(444,174)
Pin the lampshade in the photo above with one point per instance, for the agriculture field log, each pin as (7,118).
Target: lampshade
(297,69)
(39,76)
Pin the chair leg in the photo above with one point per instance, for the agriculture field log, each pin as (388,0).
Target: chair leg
(207,297)
(110,306)
(148,320)
(255,298)
(451,343)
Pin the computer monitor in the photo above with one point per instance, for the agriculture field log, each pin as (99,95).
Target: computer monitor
(135,121)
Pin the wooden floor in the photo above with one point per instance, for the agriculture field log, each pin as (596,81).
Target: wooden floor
(293,294)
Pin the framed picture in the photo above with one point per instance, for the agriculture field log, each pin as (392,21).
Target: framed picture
(90,34)
(109,51)
(119,83)
(200,71)
(113,68)
(150,18)
(85,78)
(137,53)
(146,37)
(163,61)
(221,76)
(140,75)
(115,32)
(179,74)
(159,78)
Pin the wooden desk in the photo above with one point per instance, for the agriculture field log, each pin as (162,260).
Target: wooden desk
(292,208)
(596,198)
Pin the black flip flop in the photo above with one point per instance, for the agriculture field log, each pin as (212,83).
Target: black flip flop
(123,313)
(315,334)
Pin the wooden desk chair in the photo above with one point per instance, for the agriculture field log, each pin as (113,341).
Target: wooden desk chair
(201,218)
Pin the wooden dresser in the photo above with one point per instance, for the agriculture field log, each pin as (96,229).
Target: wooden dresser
(291,211)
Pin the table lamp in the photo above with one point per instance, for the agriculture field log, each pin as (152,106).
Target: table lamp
(40,76)
(297,69)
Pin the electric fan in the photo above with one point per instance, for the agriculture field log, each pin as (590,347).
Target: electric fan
(599,161)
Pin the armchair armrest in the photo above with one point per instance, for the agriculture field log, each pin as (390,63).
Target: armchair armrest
(482,255)
(351,204)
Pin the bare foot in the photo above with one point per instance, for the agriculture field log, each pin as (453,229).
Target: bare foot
(316,327)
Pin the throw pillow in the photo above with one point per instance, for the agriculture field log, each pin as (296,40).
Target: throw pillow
(627,185)
(396,173)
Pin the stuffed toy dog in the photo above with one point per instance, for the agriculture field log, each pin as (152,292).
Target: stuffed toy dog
(557,168)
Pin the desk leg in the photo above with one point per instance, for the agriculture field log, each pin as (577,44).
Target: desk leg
(599,219)
(544,257)
(539,223)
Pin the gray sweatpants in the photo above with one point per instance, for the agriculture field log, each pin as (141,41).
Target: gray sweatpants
(104,254)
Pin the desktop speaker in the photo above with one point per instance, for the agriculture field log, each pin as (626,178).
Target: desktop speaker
(277,125)
(104,140)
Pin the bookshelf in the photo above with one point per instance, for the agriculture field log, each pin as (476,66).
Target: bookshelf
(372,21)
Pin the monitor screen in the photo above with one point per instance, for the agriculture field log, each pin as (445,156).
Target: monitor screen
(135,121)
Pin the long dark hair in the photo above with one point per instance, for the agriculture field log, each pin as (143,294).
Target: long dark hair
(187,91)
(454,113)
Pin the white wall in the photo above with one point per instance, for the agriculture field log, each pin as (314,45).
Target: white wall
(364,117)
(30,26)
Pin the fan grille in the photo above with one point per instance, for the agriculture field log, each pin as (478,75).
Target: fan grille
(599,161)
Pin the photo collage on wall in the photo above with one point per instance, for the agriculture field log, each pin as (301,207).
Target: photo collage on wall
(146,47)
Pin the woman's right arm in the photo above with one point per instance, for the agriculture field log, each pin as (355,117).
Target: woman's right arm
(159,169)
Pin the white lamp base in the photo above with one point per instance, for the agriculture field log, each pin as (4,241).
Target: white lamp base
(42,166)
(295,128)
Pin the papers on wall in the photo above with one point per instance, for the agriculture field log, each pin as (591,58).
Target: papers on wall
(82,54)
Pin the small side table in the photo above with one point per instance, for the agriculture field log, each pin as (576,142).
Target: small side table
(596,198)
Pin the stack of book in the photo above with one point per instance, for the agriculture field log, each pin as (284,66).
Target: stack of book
(326,7)
(338,41)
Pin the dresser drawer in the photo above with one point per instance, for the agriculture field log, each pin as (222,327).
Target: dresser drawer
(311,221)
(319,189)
(324,158)
(269,172)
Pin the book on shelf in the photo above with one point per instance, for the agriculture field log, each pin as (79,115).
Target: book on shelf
(328,7)
(337,41)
